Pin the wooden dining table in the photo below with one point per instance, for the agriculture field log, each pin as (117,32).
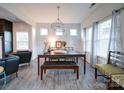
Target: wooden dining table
(59,55)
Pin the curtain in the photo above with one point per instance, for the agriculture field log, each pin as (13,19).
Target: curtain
(0,46)
(84,39)
(115,41)
(93,55)
(85,46)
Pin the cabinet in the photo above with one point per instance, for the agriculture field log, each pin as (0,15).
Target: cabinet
(7,36)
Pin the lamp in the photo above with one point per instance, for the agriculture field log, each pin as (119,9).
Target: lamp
(58,25)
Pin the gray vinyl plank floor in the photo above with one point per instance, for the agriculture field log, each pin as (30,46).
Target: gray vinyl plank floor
(53,79)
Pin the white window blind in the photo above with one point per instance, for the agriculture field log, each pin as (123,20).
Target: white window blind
(22,42)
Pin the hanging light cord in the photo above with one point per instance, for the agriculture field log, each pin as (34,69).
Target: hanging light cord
(58,12)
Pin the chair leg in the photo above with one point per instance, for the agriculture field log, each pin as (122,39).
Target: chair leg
(95,73)
(41,73)
(16,74)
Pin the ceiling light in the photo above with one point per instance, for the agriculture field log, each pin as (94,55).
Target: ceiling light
(58,24)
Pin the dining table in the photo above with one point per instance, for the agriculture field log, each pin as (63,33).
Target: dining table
(59,55)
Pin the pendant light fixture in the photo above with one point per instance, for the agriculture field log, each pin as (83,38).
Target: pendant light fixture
(58,25)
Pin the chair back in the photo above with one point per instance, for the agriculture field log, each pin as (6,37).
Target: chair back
(116,58)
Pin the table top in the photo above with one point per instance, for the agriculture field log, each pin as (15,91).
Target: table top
(68,53)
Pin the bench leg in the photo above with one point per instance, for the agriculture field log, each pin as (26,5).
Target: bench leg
(109,84)
(95,73)
(77,73)
(41,73)
(45,71)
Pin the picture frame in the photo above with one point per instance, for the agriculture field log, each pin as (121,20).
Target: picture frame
(58,44)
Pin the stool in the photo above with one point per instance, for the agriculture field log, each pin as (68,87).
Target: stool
(2,72)
(59,65)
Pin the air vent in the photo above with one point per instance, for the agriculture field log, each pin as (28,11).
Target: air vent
(92,4)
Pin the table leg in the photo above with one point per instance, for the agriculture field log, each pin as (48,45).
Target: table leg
(76,59)
(77,73)
(74,71)
(84,64)
(41,73)
(38,65)
(44,71)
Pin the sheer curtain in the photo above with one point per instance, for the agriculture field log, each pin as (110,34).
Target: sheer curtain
(0,46)
(115,38)
(93,56)
(84,39)
(115,42)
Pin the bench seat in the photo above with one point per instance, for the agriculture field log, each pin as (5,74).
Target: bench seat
(59,65)
(108,69)
(119,79)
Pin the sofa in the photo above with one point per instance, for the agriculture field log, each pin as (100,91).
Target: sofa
(25,56)
(10,64)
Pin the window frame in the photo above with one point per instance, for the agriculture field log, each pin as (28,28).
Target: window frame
(102,39)
(71,33)
(47,32)
(59,34)
(17,48)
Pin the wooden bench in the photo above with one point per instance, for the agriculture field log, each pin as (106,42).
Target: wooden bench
(114,66)
(59,65)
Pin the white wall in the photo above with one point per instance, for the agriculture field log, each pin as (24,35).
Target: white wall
(34,43)
(72,41)
(101,12)
(21,27)
(24,27)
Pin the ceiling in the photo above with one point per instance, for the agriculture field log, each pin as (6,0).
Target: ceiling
(4,14)
(47,13)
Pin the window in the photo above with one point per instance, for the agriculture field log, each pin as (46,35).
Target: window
(73,32)
(103,37)
(8,41)
(44,31)
(22,42)
(88,38)
(59,32)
